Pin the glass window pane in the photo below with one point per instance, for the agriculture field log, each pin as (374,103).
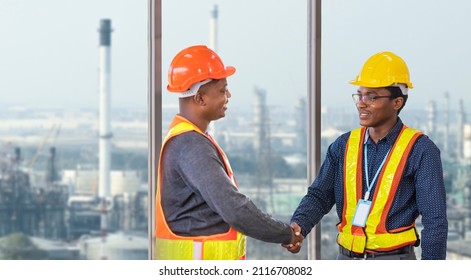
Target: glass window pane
(436,53)
(264,130)
(73,129)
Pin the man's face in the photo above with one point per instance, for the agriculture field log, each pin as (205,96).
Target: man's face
(374,106)
(216,96)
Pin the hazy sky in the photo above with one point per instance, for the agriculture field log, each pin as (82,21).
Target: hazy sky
(49,52)
(49,48)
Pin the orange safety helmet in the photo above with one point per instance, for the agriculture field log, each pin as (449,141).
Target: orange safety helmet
(195,64)
(382,70)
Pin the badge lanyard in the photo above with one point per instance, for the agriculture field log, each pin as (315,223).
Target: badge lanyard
(363,207)
(368,184)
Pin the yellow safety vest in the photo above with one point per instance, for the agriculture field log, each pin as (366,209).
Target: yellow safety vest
(374,236)
(230,245)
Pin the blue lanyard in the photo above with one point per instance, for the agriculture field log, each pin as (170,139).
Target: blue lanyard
(368,184)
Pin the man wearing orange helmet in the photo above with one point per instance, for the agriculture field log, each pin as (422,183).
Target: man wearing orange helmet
(381,176)
(200,214)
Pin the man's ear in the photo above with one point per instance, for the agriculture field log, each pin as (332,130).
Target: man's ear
(199,98)
(398,102)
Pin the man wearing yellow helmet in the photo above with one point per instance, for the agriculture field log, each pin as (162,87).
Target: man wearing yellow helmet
(200,214)
(381,176)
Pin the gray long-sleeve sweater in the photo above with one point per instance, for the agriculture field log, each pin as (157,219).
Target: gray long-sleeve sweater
(198,198)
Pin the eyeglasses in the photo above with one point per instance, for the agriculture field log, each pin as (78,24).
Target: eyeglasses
(368,98)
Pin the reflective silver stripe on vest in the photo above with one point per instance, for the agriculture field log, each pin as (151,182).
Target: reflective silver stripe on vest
(197,250)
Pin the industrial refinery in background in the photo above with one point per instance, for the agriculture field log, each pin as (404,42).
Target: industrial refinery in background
(78,187)
(88,211)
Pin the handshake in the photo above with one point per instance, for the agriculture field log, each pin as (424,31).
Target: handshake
(296,240)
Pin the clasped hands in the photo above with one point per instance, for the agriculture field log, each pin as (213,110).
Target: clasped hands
(296,240)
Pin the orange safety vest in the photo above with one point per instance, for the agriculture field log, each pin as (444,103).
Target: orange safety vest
(374,236)
(169,246)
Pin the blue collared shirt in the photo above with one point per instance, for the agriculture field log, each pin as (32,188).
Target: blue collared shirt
(421,190)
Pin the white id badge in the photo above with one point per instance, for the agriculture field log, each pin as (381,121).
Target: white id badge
(361,213)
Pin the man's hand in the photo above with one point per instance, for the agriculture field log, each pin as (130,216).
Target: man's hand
(296,240)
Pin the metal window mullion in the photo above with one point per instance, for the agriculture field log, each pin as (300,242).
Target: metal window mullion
(314,111)
(154,100)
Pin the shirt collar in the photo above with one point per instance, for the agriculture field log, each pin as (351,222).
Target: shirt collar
(392,134)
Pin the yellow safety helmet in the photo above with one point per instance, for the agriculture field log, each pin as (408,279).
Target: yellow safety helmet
(382,70)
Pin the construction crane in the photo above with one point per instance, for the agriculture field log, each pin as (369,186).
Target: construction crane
(41,146)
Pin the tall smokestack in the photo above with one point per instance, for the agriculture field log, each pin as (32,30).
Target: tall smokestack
(213,28)
(460,135)
(467,143)
(260,121)
(105,135)
(301,125)
(447,124)
(104,80)
(262,145)
(431,119)
(213,45)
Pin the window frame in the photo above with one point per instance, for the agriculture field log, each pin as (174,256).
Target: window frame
(155,109)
